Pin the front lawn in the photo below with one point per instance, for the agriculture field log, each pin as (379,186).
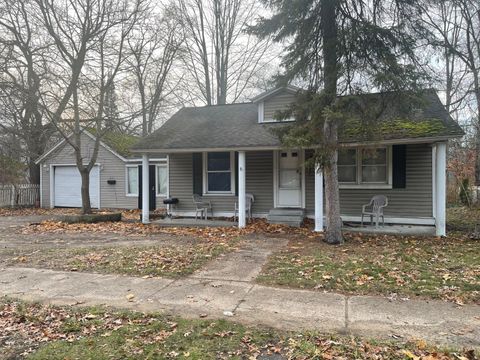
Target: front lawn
(463,219)
(429,267)
(34,331)
(168,261)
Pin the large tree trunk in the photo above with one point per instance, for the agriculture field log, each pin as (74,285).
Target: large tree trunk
(334,222)
(86,206)
(333,234)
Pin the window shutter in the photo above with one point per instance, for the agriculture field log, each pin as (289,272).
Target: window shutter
(399,170)
(197,173)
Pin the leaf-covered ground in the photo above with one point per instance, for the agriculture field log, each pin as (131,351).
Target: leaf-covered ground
(166,261)
(445,268)
(172,259)
(36,331)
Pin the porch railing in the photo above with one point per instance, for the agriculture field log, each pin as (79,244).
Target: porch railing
(19,195)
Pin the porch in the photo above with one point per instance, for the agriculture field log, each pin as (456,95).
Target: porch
(277,180)
(348,226)
(192,222)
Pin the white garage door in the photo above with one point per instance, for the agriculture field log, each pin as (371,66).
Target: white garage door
(67,186)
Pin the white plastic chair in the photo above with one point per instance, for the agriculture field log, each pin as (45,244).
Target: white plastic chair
(375,209)
(249,200)
(202,206)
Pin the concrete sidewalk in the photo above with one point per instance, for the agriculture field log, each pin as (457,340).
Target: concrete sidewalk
(435,321)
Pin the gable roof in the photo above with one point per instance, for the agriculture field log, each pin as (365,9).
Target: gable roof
(117,143)
(236,126)
(265,95)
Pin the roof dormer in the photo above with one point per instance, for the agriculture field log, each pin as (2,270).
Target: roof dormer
(270,102)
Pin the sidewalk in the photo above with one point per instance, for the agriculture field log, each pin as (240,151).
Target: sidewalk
(200,295)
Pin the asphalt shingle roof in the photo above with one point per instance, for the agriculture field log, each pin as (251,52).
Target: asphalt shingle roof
(236,126)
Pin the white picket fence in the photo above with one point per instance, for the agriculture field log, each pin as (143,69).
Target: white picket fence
(19,195)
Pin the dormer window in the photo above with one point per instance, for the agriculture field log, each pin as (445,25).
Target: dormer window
(272,102)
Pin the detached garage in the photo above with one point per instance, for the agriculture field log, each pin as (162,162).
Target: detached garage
(114,180)
(67,186)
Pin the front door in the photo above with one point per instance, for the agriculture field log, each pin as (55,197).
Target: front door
(151,178)
(289,179)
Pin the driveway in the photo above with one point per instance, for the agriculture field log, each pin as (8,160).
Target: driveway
(13,241)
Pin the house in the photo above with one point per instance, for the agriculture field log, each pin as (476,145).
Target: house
(223,152)
(115,180)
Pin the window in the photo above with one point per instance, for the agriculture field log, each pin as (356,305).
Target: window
(132,180)
(374,166)
(347,166)
(219,172)
(162,180)
(364,167)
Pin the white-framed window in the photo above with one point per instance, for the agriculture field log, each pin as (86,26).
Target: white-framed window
(219,173)
(132,180)
(365,167)
(347,166)
(161,179)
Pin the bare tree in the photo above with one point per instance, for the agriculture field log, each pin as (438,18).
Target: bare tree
(223,61)
(21,73)
(457,32)
(154,46)
(89,38)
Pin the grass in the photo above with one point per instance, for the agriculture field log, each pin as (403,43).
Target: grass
(166,261)
(35,331)
(463,219)
(439,268)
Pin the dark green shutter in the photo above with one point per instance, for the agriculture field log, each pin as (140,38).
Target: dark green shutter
(399,171)
(197,174)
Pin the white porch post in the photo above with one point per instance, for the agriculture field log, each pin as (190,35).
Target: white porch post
(318,199)
(241,189)
(440,188)
(145,190)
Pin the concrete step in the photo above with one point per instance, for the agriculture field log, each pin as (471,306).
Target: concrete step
(289,223)
(287,216)
(284,218)
(287,211)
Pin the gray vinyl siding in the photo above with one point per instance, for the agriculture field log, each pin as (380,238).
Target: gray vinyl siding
(112,168)
(278,102)
(415,200)
(259,182)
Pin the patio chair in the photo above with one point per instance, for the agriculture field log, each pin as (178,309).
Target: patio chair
(375,209)
(202,206)
(249,200)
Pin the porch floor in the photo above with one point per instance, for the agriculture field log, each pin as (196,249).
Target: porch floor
(390,229)
(191,222)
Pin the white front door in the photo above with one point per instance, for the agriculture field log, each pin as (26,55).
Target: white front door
(289,192)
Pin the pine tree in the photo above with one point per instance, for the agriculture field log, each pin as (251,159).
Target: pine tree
(340,47)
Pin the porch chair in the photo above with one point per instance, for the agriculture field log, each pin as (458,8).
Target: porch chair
(202,206)
(375,209)
(249,200)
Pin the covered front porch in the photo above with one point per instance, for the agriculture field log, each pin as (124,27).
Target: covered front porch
(279,181)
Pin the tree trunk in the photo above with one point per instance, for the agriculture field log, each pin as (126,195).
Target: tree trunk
(477,133)
(33,172)
(328,14)
(86,206)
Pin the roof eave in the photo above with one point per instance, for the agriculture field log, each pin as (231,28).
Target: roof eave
(431,139)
